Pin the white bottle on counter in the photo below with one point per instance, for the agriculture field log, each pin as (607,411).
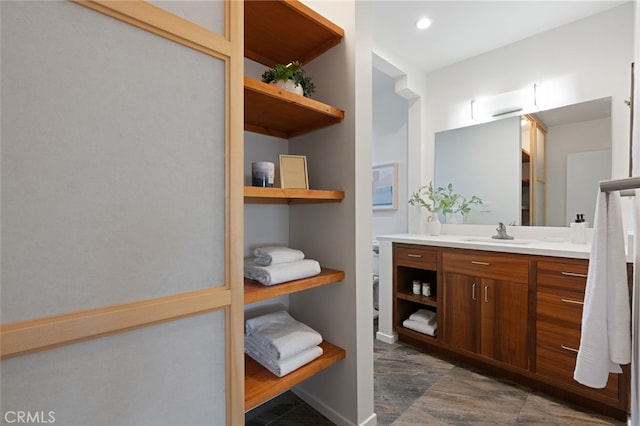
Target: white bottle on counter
(579,230)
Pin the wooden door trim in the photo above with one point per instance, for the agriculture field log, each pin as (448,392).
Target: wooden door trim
(39,334)
(165,24)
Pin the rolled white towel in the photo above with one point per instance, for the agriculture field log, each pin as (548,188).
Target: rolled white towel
(274,255)
(279,335)
(424,315)
(420,327)
(281,272)
(282,367)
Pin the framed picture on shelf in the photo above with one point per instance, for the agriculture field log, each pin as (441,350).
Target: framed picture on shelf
(385,187)
(293,172)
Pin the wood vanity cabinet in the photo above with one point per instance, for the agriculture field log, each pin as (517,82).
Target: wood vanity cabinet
(559,301)
(517,315)
(412,262)
(485,305)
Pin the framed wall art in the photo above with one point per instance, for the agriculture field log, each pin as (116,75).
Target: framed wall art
(293,172)
(385,187)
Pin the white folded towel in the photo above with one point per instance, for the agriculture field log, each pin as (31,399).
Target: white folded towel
(284,366)
(420,327)
(281,272)
(605,341)
(424,315)
(273,255)
(278,335)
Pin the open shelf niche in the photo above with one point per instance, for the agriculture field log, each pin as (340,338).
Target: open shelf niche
(279,32)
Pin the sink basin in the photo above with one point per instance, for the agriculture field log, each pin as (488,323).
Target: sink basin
(495,241)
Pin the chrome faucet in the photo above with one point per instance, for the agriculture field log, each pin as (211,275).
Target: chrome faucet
(502,233)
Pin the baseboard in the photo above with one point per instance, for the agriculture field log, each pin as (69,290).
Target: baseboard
(328,412)
(387,338)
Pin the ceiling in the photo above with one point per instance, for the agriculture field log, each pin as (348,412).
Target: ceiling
(463,29)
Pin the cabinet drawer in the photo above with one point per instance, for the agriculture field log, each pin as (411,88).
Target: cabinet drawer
(560,305)
(498,267)
(556,359)
(566,276)
(415,256)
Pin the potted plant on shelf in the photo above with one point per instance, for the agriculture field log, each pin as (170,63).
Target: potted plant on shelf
(290,77)
(442,200)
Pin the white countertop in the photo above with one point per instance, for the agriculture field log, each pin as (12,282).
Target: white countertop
(550,243)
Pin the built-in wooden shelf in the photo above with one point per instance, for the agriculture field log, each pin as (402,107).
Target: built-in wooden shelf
(272,111)
(254,291)
(261,385)
(259,195)
(425,300)
(278,32)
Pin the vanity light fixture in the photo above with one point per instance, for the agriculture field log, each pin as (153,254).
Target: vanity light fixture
(503,104)
(423,23)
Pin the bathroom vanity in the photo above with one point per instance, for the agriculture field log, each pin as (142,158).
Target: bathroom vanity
(511,308)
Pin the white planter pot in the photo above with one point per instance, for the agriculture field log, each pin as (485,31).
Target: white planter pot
(435,227)
(289,86)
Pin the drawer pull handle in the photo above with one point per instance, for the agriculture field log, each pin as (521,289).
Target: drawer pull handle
(414,255)
(573,274)
(473,291)
(486,296)
(475,262)
(575,302)
(567,348)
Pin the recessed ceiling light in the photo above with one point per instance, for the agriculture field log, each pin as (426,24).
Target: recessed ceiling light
(423,23)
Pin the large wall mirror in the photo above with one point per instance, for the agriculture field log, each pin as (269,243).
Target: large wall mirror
(540,169)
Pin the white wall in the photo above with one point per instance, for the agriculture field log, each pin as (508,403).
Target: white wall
(389,145)
(410,83)
(592,135)
(340,234)
(572,64)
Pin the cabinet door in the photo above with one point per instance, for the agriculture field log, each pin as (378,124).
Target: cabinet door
(460,310)
(503,320)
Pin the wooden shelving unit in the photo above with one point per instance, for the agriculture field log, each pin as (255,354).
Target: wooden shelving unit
(272,111)
(424,300)
(255,292)
(261,385)
(415,335)
(254,194)
(280,32)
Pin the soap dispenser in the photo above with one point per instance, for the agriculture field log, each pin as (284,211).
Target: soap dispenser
(579,230)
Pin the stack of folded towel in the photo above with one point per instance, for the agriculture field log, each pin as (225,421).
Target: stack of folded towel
(278,264)
(280,343)
(423,321)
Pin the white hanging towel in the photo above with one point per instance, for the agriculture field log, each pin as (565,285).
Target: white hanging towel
(635,312)
(605,342)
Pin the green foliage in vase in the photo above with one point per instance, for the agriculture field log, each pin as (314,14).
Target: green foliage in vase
(292,71)
(443,199)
